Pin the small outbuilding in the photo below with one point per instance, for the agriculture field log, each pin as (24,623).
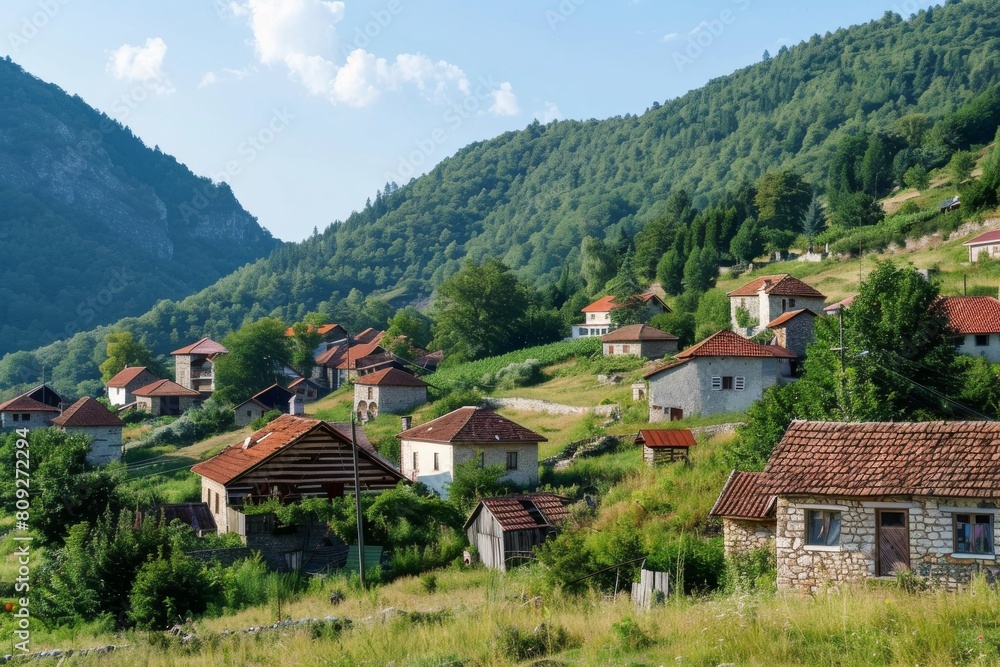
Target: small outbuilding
(274,397)
(25,412)
(506,530)
(165,398)
(121,388)
(641,340)
(661,446)
(747,513)
(389,390)
(89,418)
(985,245)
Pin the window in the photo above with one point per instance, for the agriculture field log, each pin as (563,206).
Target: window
(437,463)
(249,413)
(739,383)
(482,459)
(726,382)
(17,417)
(974,533)
(626,349)
(415,466)
(823,528)
(982,340)
(26,416)
(216,502)
(593,317)
(371,393)
(784,305)
(791,303)
(511,460)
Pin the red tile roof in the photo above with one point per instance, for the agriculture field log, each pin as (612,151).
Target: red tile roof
(742,498)
(87,412)
(369,335)
(666,367)
(834,308)
(607,303)
(948,459)
(390,377)
(24,404)
(636,332)
(972,314)
(781,284)
(525,511)
(988,237)
(677,437)
(787,317)
(337,355)
(729,344)
(126,376)
(165,388)
(471,425)
(205,346)
(322,329)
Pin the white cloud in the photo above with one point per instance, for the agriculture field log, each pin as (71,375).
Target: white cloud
(225,74)
(548,113)
(141,63)
(504,101)
(670,36)
(301,33)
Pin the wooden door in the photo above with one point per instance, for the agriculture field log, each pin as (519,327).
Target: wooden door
(892,537)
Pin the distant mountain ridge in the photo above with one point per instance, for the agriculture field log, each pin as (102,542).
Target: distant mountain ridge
(95,225)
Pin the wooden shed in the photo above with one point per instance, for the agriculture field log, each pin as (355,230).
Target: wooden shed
(505,530)
(665,445)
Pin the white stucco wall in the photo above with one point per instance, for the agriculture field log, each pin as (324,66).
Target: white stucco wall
(105,443)
(450,456)
(990,351)
(689,386)
(214,495)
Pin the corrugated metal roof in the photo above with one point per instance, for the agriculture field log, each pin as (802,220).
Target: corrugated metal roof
(677,437)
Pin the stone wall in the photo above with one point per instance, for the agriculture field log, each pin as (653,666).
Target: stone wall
(689,386)
(105,443)
(533,405)
(796,334)
(743,537)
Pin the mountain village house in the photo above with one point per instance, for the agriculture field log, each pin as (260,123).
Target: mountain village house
(597,316)
(194,365)
(165,398)
(329,334)
(859,500)
(291,458)
(24,412)
(723,373)
(340,362)
(984,245)
(976,320)
(389,390)
(307,389)
(274,397)
(89,418)
(431,451)
(764,299)
(641,340)
(121,388)
(506,530)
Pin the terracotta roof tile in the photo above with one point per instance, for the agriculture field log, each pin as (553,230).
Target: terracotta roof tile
(205,346)
(666,367)
(471,425)
(607,303)
(677,437)
(729,344)
(781,284)
(742,497)
(24,404)
(165,388)
(988,237)
(322,329)
(390,377)
(972,314)
(337,355)
(525,511)
(636,332)
(789,316)
(126,376)
(834,308)
(87,412)
(951,459)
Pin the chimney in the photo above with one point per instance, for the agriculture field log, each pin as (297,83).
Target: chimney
(407,422)
(295,405)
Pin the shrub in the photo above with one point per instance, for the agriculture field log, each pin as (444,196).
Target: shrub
(752,571)
(697,564)
(517,644)
(630,635)
(166,590)
(517,374)
(265,419)
(453,401)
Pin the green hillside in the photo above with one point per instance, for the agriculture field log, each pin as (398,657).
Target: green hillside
(848,113)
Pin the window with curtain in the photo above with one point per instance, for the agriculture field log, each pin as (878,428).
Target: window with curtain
(823,527)
(974,533)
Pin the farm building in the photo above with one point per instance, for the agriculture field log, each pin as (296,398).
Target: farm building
(748,519)
(389,390)
(665,445)
(89,418)
(506,530)
(641,340)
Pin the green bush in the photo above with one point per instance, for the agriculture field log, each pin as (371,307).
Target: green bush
(265,419)
(453,401)
(516,374)
(517,644)
(696,564)
(167,590)
(752,571)
(469,375)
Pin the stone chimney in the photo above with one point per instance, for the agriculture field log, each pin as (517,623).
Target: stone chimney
(407,422)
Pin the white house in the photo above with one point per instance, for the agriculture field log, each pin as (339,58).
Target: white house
(723,373)
(121,388)
(104,429)
(976,320)
(24,412)
(597,315)
(984,245)
(764,299)
(430,452)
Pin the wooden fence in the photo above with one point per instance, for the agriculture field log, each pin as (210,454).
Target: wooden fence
(653,588)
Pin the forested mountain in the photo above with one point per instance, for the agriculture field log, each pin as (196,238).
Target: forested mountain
(532,197)
(94,225)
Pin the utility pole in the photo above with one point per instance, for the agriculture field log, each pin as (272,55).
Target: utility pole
(357,478)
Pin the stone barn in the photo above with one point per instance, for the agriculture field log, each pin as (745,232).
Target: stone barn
(165,398)
(89,418)
(389,390)
(274,397)
(641,340)
(506,530)
(121,388)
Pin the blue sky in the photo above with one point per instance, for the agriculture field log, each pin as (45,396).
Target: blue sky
(306,107)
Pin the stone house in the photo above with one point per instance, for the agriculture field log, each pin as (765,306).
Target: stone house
(340,363)
(274,397)
(763,299)
(430,452)
(976,321)
(46,395)
(862,500)
(665,445)
(389,390)
(329,334)
(723,373)
(121,388)
(165,398)
(505,530)
(795,331)
(104,429)
(194,365)
(641,340)
(984,245)
(25,412)
(748,519)
(291,458)
(597,315)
